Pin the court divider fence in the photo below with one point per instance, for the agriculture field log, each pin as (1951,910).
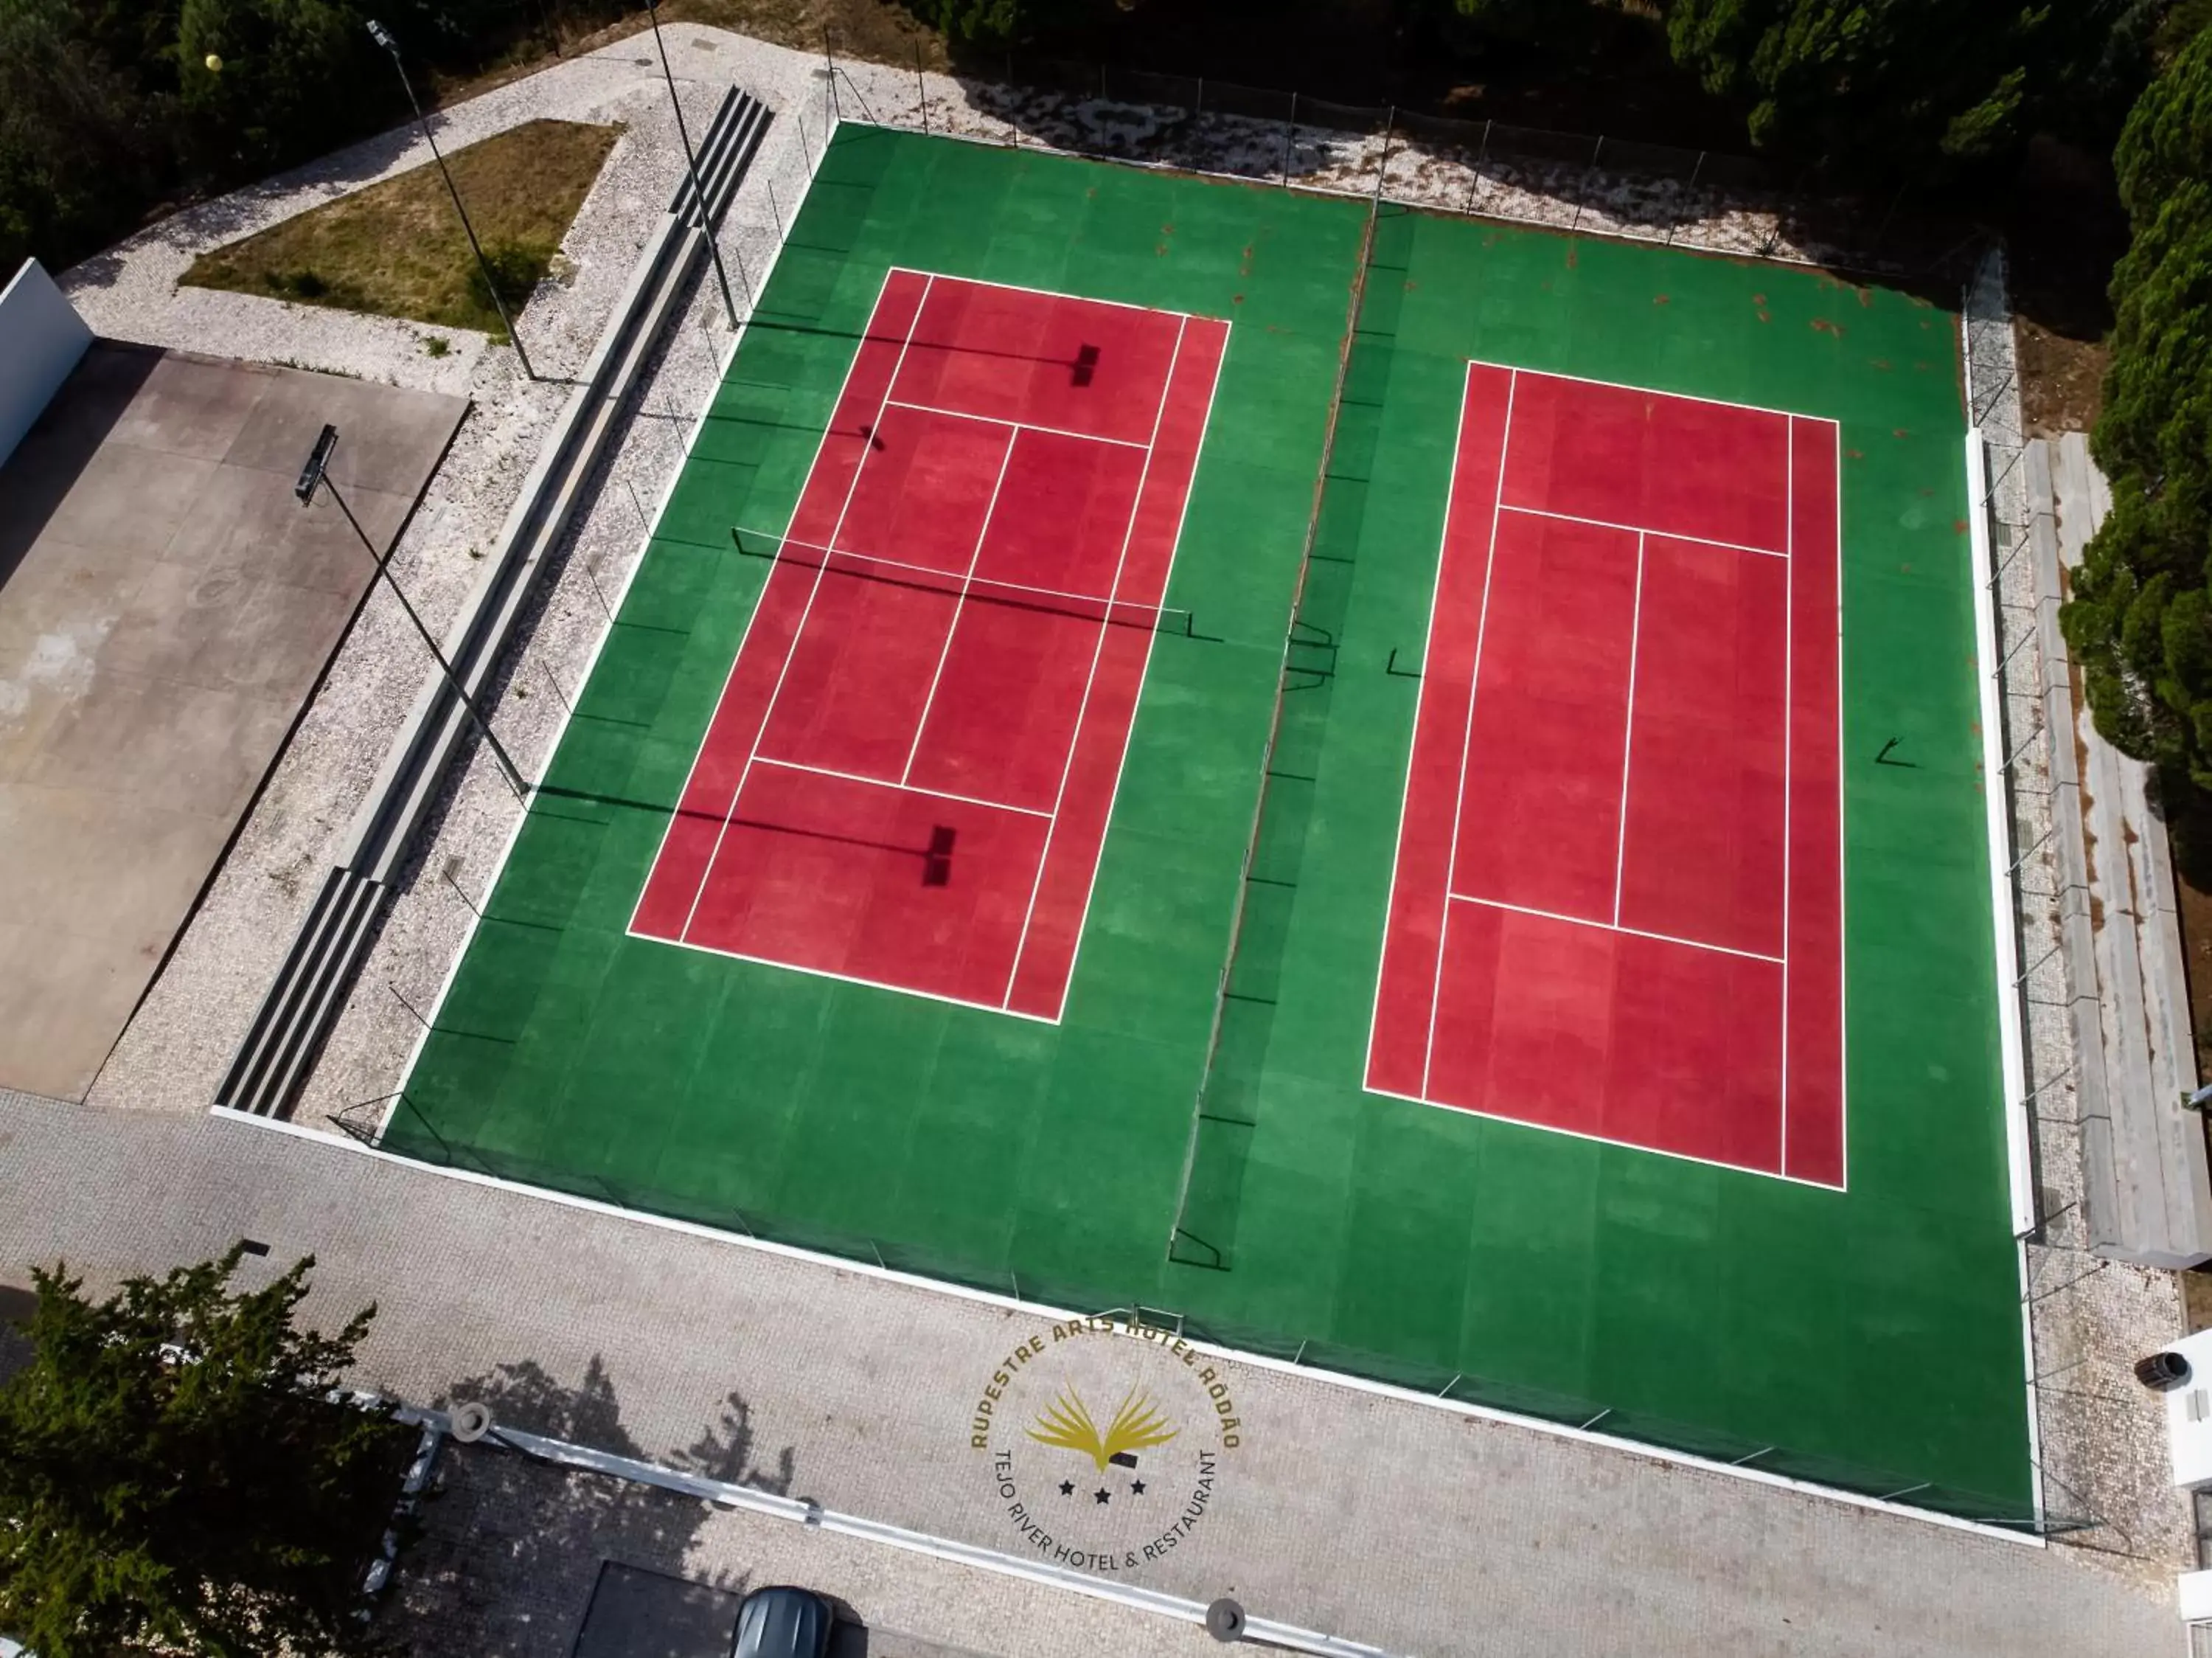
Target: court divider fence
(418,1139)
(1710,200)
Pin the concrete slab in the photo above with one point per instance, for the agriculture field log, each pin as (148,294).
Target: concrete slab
(387,437)
(248,518)
(165,605)
(179,409)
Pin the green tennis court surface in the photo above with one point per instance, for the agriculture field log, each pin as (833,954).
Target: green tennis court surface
(1163,1144)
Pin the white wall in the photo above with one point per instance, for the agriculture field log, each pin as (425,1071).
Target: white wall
(41,338)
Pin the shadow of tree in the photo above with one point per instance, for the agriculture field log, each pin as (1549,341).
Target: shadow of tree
(725,1452)
(525,1395)
(512,1548)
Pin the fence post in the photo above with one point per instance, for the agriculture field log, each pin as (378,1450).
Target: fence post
(1882,230)
(1198,101)
(1590,168)
(1290,137)
(452,1157)
(1383,167)
(829,58)
(1483,153)
(920,87)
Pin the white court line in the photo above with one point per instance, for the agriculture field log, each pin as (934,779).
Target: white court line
(1842,952)
(1045,293)
(904,788)
(1644,529)
(699,754)
(952,628)
(1628,735)
(1594,1139)
(1128,731)
(1467,729)
(1098,650)
(1018,425)
(753,745)
(848,978)
(930,280)
(1641,530)
(1660,391)
(1610,927)
(1405,787)
(1788,720)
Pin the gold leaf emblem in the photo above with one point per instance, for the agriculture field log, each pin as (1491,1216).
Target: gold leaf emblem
(1136,1425)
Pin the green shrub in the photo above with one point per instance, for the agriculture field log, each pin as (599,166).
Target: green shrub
(2140,622)
(517,268)
(1906,88)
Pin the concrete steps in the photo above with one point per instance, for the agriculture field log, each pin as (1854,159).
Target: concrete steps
(302,1006)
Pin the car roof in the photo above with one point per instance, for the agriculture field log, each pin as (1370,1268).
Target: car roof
(783,1619)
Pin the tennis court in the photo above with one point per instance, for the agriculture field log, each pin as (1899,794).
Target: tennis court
(1400,791)
(1616,910)
(908,779)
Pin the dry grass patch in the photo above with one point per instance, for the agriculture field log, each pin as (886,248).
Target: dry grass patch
(397,248)
(2061,379)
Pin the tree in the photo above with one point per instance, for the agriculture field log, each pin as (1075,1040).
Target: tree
(2139,621)
(74,131)
(296,77)
(172,1472)
(1897,87)
(998,23)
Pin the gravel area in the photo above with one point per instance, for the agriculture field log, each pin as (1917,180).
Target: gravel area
(1460,173)
(2100,1441)
(175,1050)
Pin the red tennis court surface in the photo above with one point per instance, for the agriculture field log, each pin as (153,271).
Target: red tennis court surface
(1617,909)
(908,779)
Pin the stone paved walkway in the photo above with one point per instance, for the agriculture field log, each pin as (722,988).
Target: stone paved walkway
(1403,1525)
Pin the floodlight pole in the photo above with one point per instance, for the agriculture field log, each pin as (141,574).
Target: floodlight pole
(382,36)
(691,163)
(316,471)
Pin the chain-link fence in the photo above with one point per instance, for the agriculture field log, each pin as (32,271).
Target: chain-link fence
(1689,198)
(1579,182)
(406,1131)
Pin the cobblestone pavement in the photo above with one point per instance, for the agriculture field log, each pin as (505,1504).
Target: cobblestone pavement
(511,1551)
(1411,1527)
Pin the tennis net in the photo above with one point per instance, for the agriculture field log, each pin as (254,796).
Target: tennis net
(960,586)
